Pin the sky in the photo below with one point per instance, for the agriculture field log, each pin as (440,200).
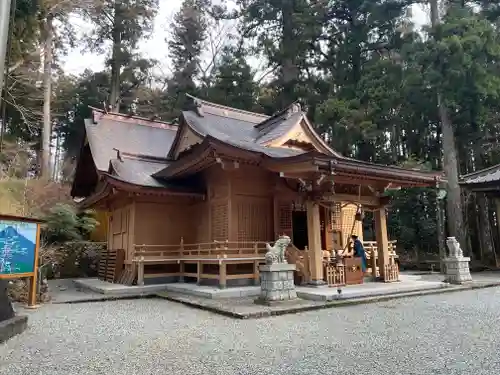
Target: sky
(155,47)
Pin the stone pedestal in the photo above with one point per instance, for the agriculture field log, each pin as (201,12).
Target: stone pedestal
(456,265)
(276,283)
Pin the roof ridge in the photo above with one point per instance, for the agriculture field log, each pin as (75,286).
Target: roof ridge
(221,106)
(288,111)
(134,117)
(476,173)
(142,157)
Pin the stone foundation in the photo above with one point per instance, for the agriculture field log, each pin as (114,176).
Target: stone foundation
(277,283)
(457,266)
(12,327)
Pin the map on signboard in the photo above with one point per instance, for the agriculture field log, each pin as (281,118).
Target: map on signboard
(17,247)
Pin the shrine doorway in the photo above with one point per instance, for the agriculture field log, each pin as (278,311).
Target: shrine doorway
(299,229)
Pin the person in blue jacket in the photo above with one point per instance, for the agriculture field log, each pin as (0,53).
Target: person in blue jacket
(359,251)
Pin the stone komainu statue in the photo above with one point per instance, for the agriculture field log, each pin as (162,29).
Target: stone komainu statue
(276,254)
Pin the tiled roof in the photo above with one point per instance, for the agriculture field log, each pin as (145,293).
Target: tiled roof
(110,133)
(138,171)
(491,174)
(243,129)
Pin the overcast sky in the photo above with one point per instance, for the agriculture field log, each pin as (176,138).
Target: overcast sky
(155,47)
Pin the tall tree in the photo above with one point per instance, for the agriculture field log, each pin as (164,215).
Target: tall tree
(188,34)
(123,23)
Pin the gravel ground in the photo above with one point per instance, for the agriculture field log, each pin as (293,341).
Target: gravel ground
(442,334)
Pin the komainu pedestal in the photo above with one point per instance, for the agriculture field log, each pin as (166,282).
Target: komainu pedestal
(276,276)
(457,266)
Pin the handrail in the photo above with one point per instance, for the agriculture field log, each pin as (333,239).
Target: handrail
(216,249)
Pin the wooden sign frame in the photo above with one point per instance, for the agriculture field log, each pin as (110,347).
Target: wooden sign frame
(32,276)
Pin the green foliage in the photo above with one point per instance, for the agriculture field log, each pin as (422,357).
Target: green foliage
(63,223)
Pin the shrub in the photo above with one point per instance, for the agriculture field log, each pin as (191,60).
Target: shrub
(63,224)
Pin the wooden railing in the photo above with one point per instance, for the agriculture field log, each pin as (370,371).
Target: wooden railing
(335,274)
(210,250)
(391,273)
(218,252)
(371,247)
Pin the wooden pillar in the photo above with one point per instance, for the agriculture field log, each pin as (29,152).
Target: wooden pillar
(140,273)
(256,274)
(314,237)
(382,240)
(222,275)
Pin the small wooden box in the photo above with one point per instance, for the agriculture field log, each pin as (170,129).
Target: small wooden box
(353,271)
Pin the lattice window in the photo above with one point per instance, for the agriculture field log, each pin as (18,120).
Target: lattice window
(335,223)
(284,219)
(219,217)
(253,220)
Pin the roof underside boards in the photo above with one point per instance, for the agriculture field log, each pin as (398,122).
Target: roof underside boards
(489,176)
(109,134)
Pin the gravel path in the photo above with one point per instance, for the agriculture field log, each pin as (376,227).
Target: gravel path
(442,334)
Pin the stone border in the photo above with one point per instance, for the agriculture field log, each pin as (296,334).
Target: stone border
(329,304)
(12,327)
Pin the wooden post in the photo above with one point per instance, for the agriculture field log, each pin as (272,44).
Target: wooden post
(222,275)
(314,236)
(33,280)
(140,272)
(256,275)
(382,240)
(373,261)
(181,271)
(199,266)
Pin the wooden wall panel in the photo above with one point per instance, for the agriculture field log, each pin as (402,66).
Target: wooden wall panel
(163,223)
(253,218)
(199,222)
(219,217)
(121,233)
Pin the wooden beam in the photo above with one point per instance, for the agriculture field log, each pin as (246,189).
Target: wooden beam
(302,167)
(363,200)
(228,165)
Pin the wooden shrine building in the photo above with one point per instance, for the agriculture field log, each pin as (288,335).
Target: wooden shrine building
(198,201)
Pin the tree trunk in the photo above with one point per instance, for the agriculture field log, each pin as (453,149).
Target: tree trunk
(450,158)
(48,39)
(450,164)
(289,70)
(116,62)
(485,238)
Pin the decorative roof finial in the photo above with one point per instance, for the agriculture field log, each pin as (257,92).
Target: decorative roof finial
(198,107)
(118,154)
(294,108)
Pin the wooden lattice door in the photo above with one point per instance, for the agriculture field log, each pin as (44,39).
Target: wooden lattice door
(284,220)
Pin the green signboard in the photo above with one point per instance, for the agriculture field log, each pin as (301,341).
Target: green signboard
(18,242)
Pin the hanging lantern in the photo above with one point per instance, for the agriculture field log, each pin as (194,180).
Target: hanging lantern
(359,216)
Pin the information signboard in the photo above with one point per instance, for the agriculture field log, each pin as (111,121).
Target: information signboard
(18,242)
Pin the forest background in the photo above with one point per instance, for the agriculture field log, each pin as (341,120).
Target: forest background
(376,86)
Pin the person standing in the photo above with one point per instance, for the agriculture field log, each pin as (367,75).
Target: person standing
(359,251)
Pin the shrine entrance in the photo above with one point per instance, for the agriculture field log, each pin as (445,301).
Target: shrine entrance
(299,229)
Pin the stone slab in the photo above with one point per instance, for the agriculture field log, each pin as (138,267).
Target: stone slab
(213,292)
(118,290)
(12,327)
(246,308)
(367,290)
(277,267)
